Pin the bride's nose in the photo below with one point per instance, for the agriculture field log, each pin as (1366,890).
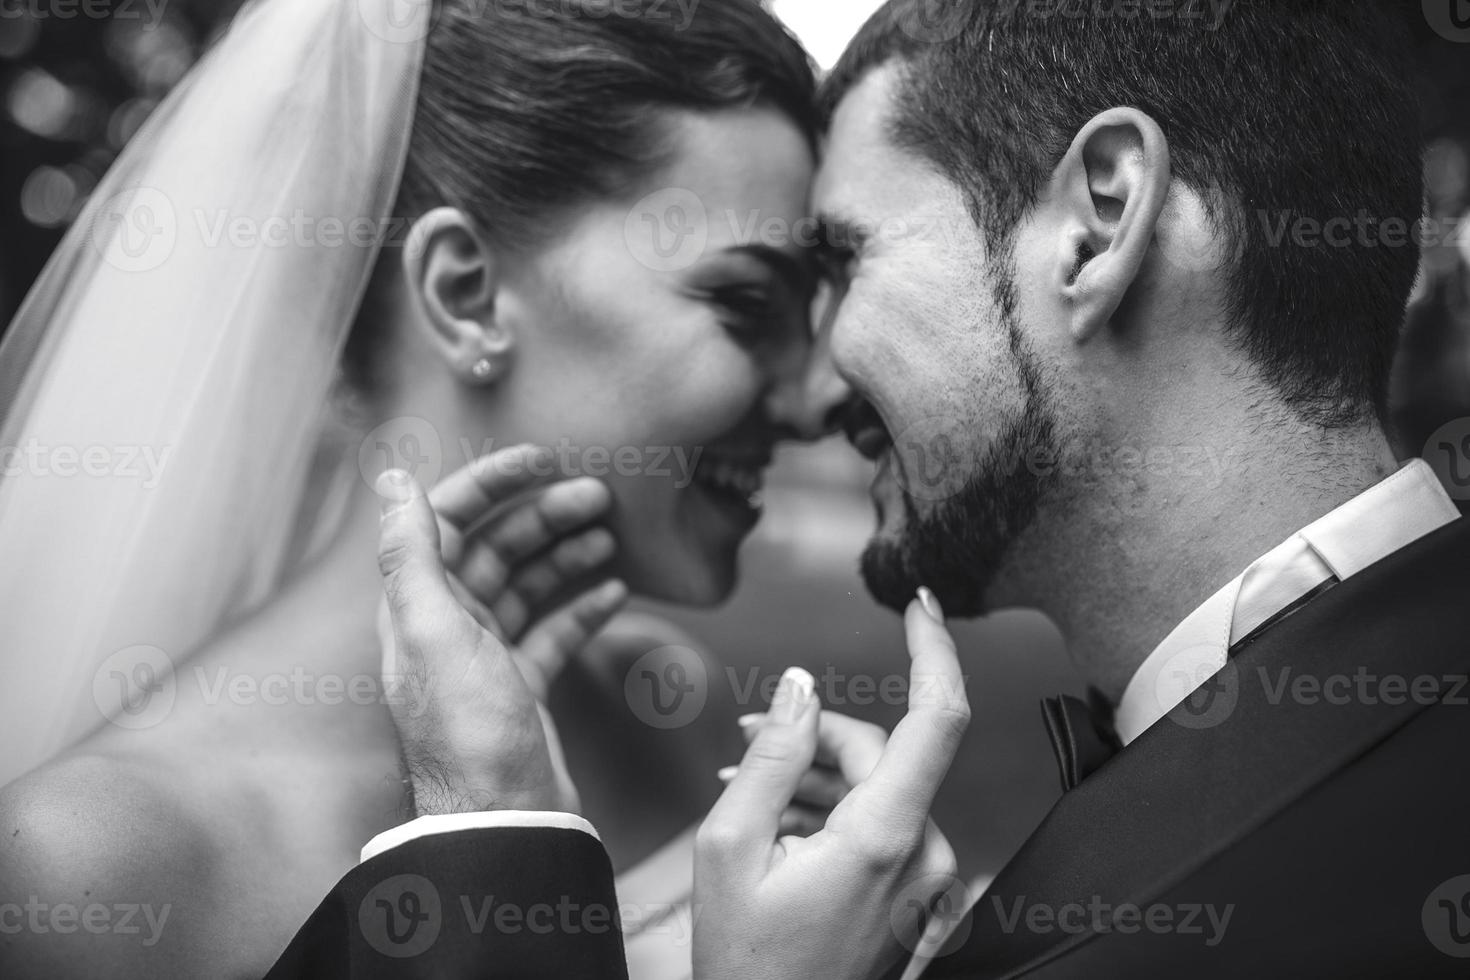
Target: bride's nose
(807,395)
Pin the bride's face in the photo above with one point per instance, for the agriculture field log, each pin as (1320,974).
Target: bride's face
(660,342)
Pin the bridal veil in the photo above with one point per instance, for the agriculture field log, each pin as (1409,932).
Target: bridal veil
(163,385)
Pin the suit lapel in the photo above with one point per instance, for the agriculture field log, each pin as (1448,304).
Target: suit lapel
(1192,785)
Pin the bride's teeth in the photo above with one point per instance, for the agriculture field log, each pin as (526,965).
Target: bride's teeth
(739,479)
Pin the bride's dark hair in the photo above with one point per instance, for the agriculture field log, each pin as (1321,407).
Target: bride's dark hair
(529,108)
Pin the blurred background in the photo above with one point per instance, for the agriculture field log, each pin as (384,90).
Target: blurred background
(76,88)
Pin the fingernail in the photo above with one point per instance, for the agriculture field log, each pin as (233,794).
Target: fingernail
(931,605)
(794,695)
(728,773)
(751,720)
(614,592)
(394,487)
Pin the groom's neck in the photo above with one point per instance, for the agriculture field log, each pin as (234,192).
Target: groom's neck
(1119,569)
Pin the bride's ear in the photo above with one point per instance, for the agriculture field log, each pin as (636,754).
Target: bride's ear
(453,276)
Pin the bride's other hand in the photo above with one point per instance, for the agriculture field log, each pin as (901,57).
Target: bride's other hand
(844,745)
(878,858)
(520,553)
(474,735)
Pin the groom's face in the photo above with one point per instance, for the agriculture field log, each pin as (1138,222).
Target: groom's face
(951,395)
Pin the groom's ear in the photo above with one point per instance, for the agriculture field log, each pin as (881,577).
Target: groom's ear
(1106,196)
(453,275)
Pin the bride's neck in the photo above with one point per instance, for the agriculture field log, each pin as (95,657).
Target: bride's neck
(323,619)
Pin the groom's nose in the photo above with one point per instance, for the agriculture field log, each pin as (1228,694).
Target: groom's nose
(809,396)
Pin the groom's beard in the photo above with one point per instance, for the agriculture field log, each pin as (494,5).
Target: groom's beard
(957,548)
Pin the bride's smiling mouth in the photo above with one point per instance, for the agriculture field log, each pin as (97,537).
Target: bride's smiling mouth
(734,481)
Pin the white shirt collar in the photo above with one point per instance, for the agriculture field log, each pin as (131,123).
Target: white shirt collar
(1373,525)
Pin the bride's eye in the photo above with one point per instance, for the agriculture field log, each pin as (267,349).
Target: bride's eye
(750,314)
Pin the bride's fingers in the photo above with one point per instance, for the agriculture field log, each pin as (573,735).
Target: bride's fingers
(801,821)
(528,529)
(546,648)
(819,788)
(901,786)
(471,493)
(847,745)
(543,579)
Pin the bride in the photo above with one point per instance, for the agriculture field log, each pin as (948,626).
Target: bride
(186,731)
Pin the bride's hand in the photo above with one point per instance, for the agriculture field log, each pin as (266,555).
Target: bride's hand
(878,857)
(519,555)
(840,741)
(473,733)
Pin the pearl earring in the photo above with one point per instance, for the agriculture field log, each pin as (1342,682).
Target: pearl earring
(483,369)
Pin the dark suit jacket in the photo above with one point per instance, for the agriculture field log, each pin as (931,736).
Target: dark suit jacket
(1329,818)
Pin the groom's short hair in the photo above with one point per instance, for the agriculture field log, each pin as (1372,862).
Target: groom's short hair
(1294,112)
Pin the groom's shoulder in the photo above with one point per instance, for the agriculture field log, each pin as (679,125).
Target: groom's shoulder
(87,842)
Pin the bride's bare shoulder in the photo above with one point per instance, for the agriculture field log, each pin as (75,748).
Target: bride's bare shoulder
(102,867)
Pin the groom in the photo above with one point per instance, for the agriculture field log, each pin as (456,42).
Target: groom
(1079,251)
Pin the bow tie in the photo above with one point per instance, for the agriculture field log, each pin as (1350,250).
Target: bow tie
(1081,735)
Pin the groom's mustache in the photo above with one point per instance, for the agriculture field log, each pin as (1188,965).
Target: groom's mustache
(864,428)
